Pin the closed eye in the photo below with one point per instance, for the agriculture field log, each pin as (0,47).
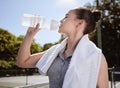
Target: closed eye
(66,16)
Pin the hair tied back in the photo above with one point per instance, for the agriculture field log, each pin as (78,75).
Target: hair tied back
(96,15)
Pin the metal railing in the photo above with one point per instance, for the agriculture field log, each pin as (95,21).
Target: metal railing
(114,71)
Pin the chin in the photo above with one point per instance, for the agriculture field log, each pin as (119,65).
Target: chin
(59,30)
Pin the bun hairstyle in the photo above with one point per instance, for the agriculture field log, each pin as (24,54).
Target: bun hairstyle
(91,18)
(97,15)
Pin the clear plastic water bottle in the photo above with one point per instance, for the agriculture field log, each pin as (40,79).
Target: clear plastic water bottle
(30,20)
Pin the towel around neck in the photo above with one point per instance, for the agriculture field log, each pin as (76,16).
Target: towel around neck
(84,66)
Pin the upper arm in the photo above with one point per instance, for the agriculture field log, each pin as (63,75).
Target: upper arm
(31,61)
(103,74)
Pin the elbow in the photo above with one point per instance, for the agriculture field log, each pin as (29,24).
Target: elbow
(20,64)
(23,63)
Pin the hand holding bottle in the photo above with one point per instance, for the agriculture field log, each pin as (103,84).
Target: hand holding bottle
(33,30)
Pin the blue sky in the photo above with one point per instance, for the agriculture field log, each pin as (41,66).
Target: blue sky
(11,12)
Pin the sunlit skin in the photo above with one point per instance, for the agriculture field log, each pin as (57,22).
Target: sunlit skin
(73,28)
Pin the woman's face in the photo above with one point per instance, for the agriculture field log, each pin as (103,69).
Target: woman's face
(68,23)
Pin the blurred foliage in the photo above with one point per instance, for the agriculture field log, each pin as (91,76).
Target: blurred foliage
(7,46)
(6,64)
(110,29)
(47,46)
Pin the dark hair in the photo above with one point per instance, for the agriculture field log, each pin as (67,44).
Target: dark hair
(91,18)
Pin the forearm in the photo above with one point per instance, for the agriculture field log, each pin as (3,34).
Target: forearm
(24,50)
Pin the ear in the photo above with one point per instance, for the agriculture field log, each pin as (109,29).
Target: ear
(80,23)
(81,26)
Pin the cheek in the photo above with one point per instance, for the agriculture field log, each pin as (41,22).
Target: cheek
(71,27)
(67,27)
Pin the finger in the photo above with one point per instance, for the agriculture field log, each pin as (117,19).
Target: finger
(37,26)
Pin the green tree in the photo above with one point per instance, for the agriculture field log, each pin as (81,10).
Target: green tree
(7,42)
(35,48)
(8,51)
(47,46)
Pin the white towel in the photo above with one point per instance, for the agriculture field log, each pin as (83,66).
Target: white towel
(84,66)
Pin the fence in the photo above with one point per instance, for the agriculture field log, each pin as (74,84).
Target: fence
(114,76)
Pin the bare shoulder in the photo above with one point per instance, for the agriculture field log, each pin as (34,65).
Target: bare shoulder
(103,64)
(103,74)
(103,61)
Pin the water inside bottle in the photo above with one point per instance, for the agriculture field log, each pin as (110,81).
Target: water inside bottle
(30,20)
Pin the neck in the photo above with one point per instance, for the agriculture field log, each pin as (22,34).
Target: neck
(71,44)
(73,41)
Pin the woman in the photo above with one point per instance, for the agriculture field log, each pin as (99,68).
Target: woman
(74,63)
